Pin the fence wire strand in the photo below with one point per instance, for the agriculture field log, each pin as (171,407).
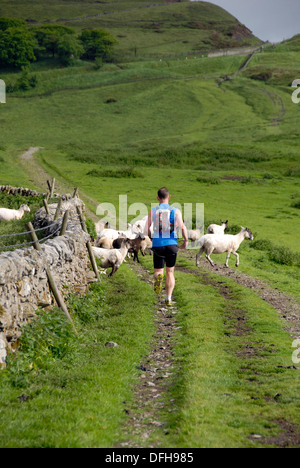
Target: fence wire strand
(75,217)
(26,244)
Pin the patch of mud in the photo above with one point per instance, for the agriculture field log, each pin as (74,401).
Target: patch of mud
(289,436)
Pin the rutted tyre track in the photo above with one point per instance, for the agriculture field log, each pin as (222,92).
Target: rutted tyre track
(287,307)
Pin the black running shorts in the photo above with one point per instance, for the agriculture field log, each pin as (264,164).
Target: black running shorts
(164,256)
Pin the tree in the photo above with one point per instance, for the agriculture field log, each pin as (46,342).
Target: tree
(97,43)
(6,23)
(69,48)
(49,36)
(16,47)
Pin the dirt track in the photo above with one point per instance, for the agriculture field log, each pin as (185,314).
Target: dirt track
(39,176)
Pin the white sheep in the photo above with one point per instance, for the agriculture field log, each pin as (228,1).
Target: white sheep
(112,258)
(219,244)
(6,214)
(99,226)
(194,235)
(115,234)
(140,225)
(216,229)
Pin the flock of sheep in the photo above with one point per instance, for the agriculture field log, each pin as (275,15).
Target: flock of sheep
(112,246)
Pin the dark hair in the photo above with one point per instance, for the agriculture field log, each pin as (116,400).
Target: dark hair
(163,193)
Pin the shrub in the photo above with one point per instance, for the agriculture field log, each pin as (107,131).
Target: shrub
(127,173)
(293,172)
(25,81)
(208,180)
(282,256)
(264,245)
(296,204)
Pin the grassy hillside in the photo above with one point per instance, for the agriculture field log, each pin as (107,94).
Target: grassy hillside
(141,28)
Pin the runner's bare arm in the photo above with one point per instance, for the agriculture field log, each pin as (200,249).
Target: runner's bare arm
(182,226)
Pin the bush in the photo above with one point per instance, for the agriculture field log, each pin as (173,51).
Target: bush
(208,180)
(127,173)
(25,81)
(279,255)
(293,172)
(264,245)
(296,204)
(282,256)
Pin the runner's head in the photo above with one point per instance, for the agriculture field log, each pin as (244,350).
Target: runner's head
(163,195)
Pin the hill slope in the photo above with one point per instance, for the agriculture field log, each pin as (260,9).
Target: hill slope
(143,28)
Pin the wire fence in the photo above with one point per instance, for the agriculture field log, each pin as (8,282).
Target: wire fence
(57,224)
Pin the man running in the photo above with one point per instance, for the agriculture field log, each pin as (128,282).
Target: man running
(165,220)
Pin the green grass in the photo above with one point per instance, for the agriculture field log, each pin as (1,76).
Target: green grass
(74,388)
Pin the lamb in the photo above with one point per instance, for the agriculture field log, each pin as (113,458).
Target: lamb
(112,258)
(6,214)
(146,244)
(216,229)
(135,245)
(219,244)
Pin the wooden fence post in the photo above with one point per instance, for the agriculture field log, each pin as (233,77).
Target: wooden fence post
(58,209)
(52,188)
(64,223)
(81,218)
(93,261)
(58,297)
(45,202)
(88,244)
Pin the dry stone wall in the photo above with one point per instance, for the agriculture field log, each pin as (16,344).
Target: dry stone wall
(24,284)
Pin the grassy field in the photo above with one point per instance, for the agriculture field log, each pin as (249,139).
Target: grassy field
(128,129)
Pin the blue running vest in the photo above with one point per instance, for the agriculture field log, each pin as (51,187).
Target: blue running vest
(163,218)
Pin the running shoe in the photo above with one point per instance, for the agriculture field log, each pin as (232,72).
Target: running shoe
(169,303)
